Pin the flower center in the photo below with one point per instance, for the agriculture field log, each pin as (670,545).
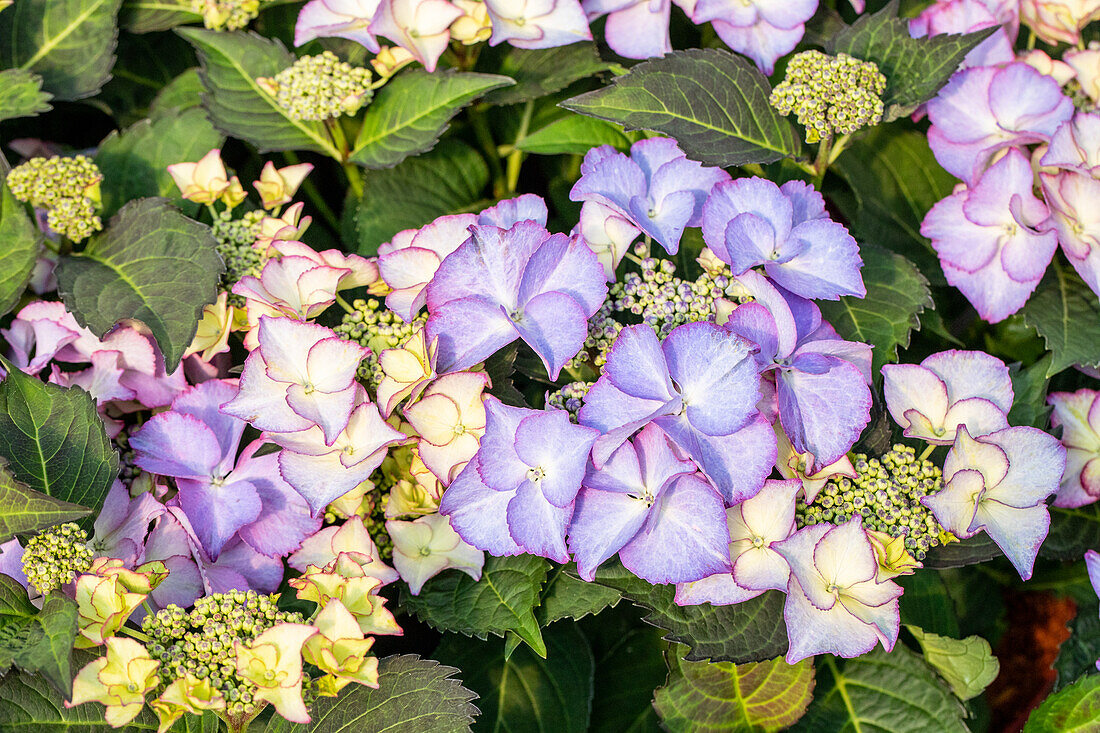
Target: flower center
(536,474)
(758,542)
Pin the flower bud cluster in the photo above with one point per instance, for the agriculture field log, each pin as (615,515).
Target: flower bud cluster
(569,398)
(320,87)
(830,94)
(227,15)
(887,493)
(68,188)
(235,238)
(202,641)
(378,328)
(665,301)
(56,556)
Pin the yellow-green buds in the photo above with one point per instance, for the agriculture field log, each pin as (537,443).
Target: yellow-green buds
(56,556)
(830,95)
(228,15)
(893,559)
(345,580)
(188,694)
(474,25)
(67,188)
(120,680)
(319,87)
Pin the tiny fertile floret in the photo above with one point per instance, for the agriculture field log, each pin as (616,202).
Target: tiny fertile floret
(830,95)
(320,87)
(56,556)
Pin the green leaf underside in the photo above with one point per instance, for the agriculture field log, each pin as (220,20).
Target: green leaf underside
(526,693)
(37,641)
(967,664)
(897,293)
(1072,531)
(21,95)
(69,43)
(54,440)
(702,697)
(574,135)
(879,691)
(238,107)
(744,632)
(448,180)
(147,16)
(20,239)
(978,548)
(152,264)
(713,102)
(567,596)
(1067,315)
(1075,709)
(26,510)
(539,72)
(410,113)
(1030,387)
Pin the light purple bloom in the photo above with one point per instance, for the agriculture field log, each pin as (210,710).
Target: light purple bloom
(409,261)
(1078,414)
(999,482)
(656,187)
(749,222)
(986,109)
(421,27)
(1092,565)
(11,561)
(537,23)
(636,29)
(349,19)
(763,30)
(504,284)
(967,16)
(607,234)
(509,212)
(123,523)
(1072,199)
(988,240)
(1075,145)
(665,520)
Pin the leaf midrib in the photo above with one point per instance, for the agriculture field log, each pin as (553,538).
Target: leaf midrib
(45,48)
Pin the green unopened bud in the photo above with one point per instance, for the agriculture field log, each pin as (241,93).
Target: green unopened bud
(226,15)
(56,556)
(68,188)
(319,87)
(830,95)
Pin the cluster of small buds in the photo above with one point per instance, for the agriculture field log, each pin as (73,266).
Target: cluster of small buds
(202,641)
(235,238)
(569,398)
(226,15)
(55,557)
(664,301)
(602,332)
(887,494)
(320,87)
(374,504)
(830,94)
(378,328)
(68,188)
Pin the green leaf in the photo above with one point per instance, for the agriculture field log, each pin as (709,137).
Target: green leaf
(1074,709)
(1072,531)
(927,604)
(574,135)
(629,665)
(967,664)
(231,63)
(978,548)
(915,68)
(153,264)
(897,293)
(208,722)
(183,92)
(410,113)
(134,163)
(54,439)
(448,180)
(147,16)
(744,632)
(1030,387)
(880,691)
(713,102)
(526,693)
(37,641)
(710,697)
(21,244)
(503,600)
(567,596)
(26,510)
(1067,315)
(1078,654)
(539,72)
(69,43)
(21,95)
(145,65)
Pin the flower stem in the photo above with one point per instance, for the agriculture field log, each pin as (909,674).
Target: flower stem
(927,451)
(139,635)
(515,159)
(343,303)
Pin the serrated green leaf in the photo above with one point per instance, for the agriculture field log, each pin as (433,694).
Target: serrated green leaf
(1072,531)
(238,107)
(526,693)
(976,549)
(713,102)
(881,691)
(743,632)
(1030,387)
(574,135)
(21,95)
(147,16)
(414,695)
(1075,709)
(410,113)
(448,180)
(926,603)
(967,664)
(503,600)
(539,72)
(711,697)
(21,240)
(37,641)
(1078,654)
(152,264)
(134,162)
(1067,315)
(208,722)
(144,66)
(26,510)
(567,596)
(915,68)
(54,440)
(897,293)
(69,43)
(629,666)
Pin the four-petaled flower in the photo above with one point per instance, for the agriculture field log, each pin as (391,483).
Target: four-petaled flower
(1078,414)
(425,547)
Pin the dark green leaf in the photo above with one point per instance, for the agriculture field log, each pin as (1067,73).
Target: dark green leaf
(897,293)
(21,95)
(152,264)
(1078,654)
(54,439)
(501,367)
(413,110)
(574,135)
(208,722)
(69,43)
(1075,708)
(448,180)
(231,63)
(710,697)
(967,664)
(145,65)
(915,68)
(880,691)
(713,102)
(37,641)
(744,632)
(567,596)
(146,16)
(503,600)
(1067,315)
(26,510)
(629,666)
(183,92)
(1030,386)
(526,693)
(20,249)
(134,163)
(927,604)
(978,548)
(1072,531)
(539,72)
